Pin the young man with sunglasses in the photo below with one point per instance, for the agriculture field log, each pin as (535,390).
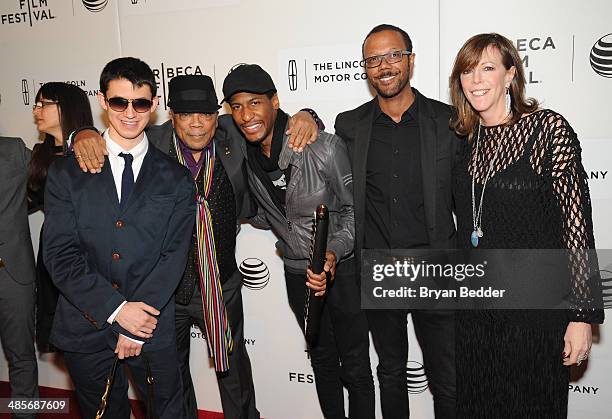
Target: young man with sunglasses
(402,152)
(116,246)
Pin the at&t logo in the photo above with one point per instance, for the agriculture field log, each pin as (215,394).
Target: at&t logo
(95,6)
(417,380)
(601,56)
(255,273)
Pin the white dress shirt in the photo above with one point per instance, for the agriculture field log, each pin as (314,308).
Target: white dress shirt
(117,164)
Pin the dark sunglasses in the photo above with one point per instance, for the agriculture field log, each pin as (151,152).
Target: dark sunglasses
(119,104)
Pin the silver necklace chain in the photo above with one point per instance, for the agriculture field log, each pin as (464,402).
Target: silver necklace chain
(477,215)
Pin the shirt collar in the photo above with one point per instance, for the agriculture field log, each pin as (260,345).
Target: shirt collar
(137,151)
(413,110)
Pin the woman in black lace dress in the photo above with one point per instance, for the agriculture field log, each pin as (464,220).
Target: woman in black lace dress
(59,109)
(520,184)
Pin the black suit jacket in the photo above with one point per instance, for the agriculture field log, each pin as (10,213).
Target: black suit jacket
(439,148)
(100,255)
(230,150)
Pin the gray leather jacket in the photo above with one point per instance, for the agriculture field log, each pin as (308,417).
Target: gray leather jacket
(321,174)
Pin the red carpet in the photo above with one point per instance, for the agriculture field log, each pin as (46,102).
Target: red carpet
(137,407)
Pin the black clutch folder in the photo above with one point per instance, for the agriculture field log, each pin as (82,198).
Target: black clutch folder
(313,305)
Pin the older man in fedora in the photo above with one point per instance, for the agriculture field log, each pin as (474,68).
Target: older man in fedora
(211,278)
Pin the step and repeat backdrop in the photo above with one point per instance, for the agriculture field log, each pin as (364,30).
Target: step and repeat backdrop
(312,50)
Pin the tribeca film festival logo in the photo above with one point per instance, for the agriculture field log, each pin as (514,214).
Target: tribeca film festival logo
(527,46)
(29,89)
(256,274)
(28,12)
(601,56)
(417,380)
(164,73)
(95,6)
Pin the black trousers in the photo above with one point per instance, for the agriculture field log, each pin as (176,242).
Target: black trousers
(17,336)
(435,331)
(341,356)
(235,385)
(89,371)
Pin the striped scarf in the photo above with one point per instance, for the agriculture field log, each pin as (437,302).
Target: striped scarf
(218,333)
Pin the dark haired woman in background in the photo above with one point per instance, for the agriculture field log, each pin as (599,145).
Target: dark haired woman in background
(519,185)
(59,109)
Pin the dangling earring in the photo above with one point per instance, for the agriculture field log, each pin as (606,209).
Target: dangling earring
(508,101)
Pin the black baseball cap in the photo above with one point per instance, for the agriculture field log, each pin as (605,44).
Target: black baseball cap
(247,78)
(192,94)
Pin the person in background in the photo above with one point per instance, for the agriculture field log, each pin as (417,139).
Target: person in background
(519,184)
(59,109)
(17,272)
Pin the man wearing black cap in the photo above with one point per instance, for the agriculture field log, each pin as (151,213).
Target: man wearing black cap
(288,187)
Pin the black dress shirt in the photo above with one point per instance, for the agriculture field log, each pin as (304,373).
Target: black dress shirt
(395,215)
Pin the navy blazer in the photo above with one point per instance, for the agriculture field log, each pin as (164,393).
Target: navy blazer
(100,255)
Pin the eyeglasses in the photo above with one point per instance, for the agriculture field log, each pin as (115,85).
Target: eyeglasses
(41,104)
(391,57)
(119,104)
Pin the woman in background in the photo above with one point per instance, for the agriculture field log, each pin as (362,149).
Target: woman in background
(59,109)
(520,184)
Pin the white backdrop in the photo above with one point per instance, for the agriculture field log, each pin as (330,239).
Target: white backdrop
(310,49)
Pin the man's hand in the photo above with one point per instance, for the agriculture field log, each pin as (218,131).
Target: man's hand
(137,318)
(126,348)
(302,130)
(89,149)
(318,283)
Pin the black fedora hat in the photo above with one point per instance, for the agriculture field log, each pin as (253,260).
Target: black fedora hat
(192,94)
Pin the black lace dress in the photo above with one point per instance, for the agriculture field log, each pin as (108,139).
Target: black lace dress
(509,361)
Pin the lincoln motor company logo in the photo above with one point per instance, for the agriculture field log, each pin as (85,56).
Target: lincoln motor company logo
(292,74)
(256,274)
(25,91)
(601,56)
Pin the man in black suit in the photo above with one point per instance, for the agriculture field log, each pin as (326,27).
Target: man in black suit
(17,274)
(116,246)
(402,150)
